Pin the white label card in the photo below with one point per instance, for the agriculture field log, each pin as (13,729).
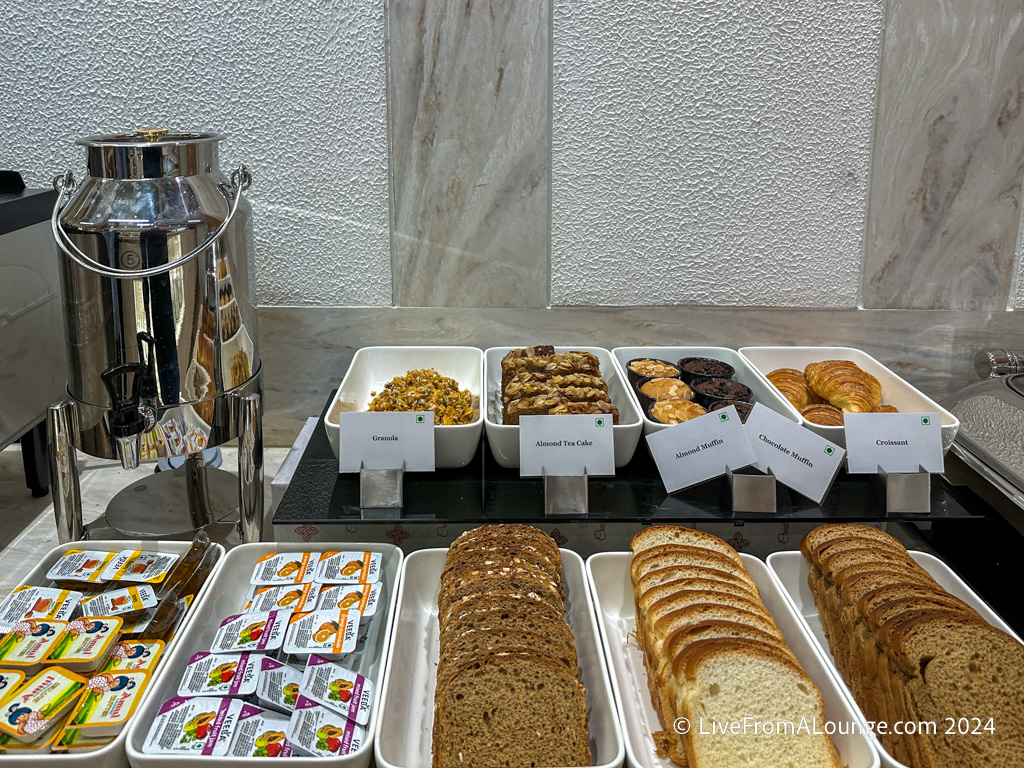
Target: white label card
(701,449)
(895,442)
(385,441)
(566,445)
(796,456)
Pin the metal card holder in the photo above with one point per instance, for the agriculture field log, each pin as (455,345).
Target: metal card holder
(565,495)
(752,491)
(382,488)
(905,493)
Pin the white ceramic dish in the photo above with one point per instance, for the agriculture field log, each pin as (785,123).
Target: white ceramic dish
(373,367)
(608,574)
(504,438)
(763,390)
(791,570)
(895,391)
(407,703)
(225,596)
(113,754)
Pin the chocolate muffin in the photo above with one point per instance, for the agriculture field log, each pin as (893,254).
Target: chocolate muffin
(742,408)
(707,392)
(691,368)
(649,368)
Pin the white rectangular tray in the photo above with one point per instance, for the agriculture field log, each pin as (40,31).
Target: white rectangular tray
(791,570)
(608,573)
(373,367)
(504,438)
(224,596)
(895,391)
(407,703)
(113,754)
(763,390)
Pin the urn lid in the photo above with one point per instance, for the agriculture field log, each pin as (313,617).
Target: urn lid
(151,153)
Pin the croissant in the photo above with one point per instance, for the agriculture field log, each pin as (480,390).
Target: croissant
(887,409)
(845,385)
(824,414)
(793,385)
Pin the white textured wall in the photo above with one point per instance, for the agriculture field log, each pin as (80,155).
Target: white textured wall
(298,89)
(712,152)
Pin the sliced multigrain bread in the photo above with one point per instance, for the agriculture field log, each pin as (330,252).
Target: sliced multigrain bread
(499,617)
(493,548)
(658,535)
(481,562)
(729,682)
(505,639)
(510,710)
(500,599)
(519,579)
(510,532)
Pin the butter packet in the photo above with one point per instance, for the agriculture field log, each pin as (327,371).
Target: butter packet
(262,631)
(41,704)
(73,741)
(278,686)
(326,632)
(110,699)
(320,732)
(119,601)
(134,654)
(140,565)
(348,568)
(285,568)
(351,597)
(29,642)
(11,746)
(86,643)
(10,679)
(199,726)
(286,597)
(260,733)
(215,674)
(80,565)
(337,688)
(41,603)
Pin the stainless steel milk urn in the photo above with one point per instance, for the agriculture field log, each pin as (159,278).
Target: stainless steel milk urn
(159,314)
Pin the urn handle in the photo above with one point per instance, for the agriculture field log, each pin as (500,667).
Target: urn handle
(65,186)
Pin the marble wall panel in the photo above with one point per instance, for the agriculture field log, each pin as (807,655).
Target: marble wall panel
(469,94)
(948,157)
(711,152)
(307,351)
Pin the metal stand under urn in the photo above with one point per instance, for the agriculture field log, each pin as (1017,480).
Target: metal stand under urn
(161,334)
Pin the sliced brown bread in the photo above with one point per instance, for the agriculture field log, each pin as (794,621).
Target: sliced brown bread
(468,564)
(508,710)
(673,572)
(474,581)
(497,547)
(508,531)
(514,620)
(504,639)
(658,535)
(824,533)
(665,555)
(500,599)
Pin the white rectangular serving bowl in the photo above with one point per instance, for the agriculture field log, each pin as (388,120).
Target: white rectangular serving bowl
(113,754)
(407,703)
(791,570)
(504,438)
(895,391)
(608,574)
(224,596)
(762,389)
(373,367)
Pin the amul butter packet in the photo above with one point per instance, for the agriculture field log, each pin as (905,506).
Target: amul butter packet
(119,601)
(11,746)
(218,674)
(286,597)
(348,568)
(351,597)
(200,726)
(337,688)
(86,643)
(72,741)
(42,603)
(259,631)
(285,568)
(278,686)
(134,654)
(29,642)
(110,699)
(326,632)
(40,704)
(80,565)
(260,733)
(140,565)
(321,732)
